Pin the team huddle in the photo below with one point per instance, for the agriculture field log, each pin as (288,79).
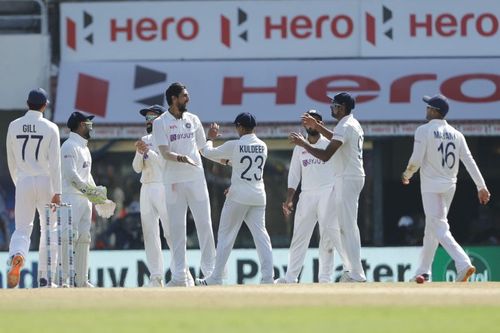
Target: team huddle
(328,165)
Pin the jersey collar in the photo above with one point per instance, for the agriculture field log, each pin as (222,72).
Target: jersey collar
(78,139)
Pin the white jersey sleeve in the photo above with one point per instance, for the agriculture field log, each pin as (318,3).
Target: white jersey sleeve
(294,173)
(224,151)
(199,133)
(470,164)
(69,166)
(11,160)
(159,134)
(417,156)
(138,162)
(55,161)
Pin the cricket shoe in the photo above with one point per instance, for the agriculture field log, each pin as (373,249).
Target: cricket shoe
(206,282)
(16,264)
(43,283)
(465,274)
(346,278)
(280,281)
(190,280)
(421,278)
(173,283)
(155,282)
(86,284)
(267,281)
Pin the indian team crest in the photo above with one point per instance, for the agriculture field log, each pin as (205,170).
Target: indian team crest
(483,270)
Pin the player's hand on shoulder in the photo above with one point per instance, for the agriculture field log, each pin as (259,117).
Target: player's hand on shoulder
(484,196)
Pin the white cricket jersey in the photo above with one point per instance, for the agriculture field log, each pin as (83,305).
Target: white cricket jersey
(33,149)
(349,162)
(184,136)
(437,150)
(76,163)
(314,173)
(151,164)
(248,156)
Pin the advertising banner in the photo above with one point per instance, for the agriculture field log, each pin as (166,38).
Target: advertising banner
(208,30)
(388,90)
(24,65)
(128,268)
(486,259)
(398,28)
(180,30)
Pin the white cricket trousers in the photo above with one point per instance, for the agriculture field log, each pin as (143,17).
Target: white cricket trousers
(153,208)
(232,216)
(33,193)
(437,231)
(346,200)
(314,206)
(178,197)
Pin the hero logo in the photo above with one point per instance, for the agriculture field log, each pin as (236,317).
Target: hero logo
(367,88)
(225,28)
(371,25)
(433,25)
(71,30)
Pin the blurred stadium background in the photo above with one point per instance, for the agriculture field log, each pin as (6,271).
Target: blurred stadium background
(276,59)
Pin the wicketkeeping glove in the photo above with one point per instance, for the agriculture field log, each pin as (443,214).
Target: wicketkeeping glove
(106,209)
(95,194)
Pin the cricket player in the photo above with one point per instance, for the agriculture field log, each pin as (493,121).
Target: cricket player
(437,150)
(34,160)
(246,198)
(346,141)
(148,161)
(179,136)
(317,184)
(80,190)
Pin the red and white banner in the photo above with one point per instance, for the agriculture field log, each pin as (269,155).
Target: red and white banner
(280,91)
(208,30)
(398,28)
(278,29)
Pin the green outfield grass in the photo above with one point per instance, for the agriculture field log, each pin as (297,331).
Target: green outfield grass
(381,307)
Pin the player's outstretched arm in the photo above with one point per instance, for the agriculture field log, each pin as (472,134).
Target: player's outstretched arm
(322,154)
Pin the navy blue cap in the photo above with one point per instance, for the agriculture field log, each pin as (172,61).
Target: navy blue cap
(315,114)
(38,97)
(76,118)
(438,102)
(246,120)
(343,98)
(158,109)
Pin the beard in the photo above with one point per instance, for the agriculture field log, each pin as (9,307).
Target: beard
(182,107)
(149,128)
(86,135)
(312,132)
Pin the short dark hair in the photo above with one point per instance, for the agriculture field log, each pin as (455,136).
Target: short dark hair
(36,107)
(174,90)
